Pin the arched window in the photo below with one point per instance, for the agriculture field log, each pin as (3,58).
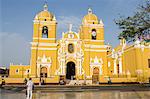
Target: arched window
(93,34)
(45,32)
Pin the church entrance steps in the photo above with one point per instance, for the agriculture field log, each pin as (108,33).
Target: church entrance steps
(80,82)
(67,82)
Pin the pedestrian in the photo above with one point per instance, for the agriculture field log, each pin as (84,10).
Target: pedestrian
(109,80)
(30,85)
(25,81)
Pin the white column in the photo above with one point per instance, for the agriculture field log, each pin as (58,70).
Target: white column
(115,67)
(38,70)
(63,67)
(120,66)
(80,69)
(101,71)
(77,67)
(48,71)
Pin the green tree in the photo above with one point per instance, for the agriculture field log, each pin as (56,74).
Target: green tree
(136,26)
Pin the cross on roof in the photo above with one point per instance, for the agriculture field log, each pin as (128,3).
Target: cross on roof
(70,27)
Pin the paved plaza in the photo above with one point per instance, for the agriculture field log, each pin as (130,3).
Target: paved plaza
(78,95)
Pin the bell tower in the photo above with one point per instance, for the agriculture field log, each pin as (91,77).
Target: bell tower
(44,26)
(92,29)
(92,35)
(43,46)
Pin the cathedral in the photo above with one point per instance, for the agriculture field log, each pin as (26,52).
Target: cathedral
(80,56)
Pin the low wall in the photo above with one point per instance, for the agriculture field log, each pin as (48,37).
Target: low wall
(53,79)
(14,80)
(118,80)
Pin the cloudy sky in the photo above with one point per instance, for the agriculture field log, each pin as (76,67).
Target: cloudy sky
(16,17)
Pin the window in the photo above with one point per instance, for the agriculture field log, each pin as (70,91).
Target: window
(45,32)
(149,63)
(70,48)
(93,34)
(17,71)
(118,71)
(28,71)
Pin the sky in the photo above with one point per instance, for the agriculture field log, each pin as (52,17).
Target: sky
(16,22)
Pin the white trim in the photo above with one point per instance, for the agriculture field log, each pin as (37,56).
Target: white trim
(36,21)
(34,48)
(93,40)
(47,22)
(95,50)
(109,64)
(93,25)
(115,67)
(68,39)
(36,38)
(95,46)
(133,46)
(120,65)
(44,44)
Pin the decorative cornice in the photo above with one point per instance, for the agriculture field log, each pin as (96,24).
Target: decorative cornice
(93,40)
(36,38)
(95,46)
(35,48)
(44,44)
(44,22)
(93,25)
(91,50)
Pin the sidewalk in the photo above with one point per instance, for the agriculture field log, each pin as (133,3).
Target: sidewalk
(79,88)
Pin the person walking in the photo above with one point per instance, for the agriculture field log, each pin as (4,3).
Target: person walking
(30,85)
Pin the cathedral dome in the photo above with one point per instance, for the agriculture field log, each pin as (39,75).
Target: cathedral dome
(45,14)
(90,18)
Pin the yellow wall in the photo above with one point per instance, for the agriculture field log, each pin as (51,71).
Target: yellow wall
(37,49)
(22,71)
(134,61)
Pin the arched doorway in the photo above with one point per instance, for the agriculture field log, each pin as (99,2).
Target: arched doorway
(70,71)
(43,72)
(96,71)
(95,76)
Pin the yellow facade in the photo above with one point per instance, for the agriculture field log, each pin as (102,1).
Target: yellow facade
(131,61)
(82,55)
(19,71)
